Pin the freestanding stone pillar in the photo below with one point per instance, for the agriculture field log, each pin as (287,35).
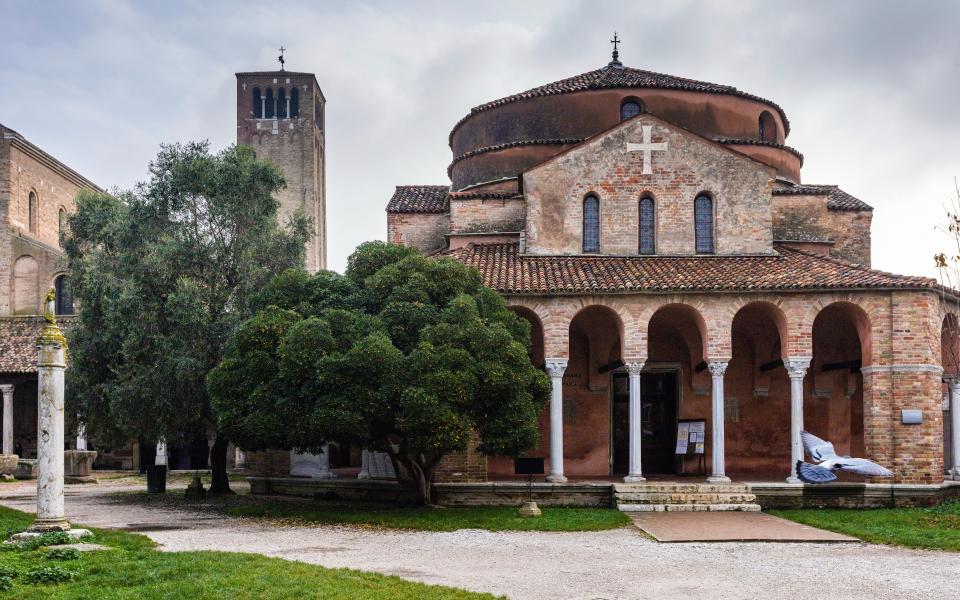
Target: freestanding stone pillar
(955,427)
(81,437)
(364,465)
(635,472)
(555,369)
(161,456)
(718,475)
(796,369)
(7,390)
(51,363)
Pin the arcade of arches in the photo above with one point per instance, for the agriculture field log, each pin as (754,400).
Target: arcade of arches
(757,370)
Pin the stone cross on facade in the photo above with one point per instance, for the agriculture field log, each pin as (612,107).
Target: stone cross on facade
(648,147)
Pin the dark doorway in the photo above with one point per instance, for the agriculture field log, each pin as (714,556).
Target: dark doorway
(659,422)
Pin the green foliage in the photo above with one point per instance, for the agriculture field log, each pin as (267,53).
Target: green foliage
(931,528)
(62,554)
(404,354)
(164,274)
(490,518)
(48,575)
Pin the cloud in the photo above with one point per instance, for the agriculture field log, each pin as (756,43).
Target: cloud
(869,87)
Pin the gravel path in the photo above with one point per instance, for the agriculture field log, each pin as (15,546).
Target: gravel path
(621,564)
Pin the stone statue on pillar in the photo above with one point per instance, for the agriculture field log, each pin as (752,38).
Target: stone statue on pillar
(51,364)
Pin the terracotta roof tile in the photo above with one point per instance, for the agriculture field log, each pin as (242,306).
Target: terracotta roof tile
(837,199)
(18,342)
(506,270)
(611,76)
(419,199)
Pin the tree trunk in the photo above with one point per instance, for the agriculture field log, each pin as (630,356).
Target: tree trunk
(220,481)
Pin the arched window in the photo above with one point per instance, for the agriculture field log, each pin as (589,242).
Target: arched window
(64,302)
(630,108)
(294,103)
(766,127)
(703,223)
(591,224)
(271,105)
(282,103)
(33,215)
(61,224)
(648,226)
(257,104)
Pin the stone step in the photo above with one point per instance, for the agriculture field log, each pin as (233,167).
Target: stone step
(681,488)
(746,507)
(661,498)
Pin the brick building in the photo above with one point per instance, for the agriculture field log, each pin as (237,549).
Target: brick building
(675,269)
(37,192)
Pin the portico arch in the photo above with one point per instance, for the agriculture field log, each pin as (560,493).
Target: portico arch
(950,360)
(834,403)
(536,334)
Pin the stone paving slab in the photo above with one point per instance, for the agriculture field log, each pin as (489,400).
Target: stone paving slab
(729,527)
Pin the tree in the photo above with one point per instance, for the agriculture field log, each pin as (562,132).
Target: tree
(163,275)
(402,354)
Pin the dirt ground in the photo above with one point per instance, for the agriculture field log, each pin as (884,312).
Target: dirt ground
(618,564)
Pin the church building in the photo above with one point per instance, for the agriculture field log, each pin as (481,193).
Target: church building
(695,302)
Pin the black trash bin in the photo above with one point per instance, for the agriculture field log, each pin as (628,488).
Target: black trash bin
(157,479)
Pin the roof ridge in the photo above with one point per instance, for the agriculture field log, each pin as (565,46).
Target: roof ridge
(854,265)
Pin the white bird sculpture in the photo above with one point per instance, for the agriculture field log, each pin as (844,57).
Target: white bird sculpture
(827,460)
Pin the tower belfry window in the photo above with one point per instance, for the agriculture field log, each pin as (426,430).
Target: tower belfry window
(271,105)
(33,218)
(294,103)
(591,224)
(282,105)
(257,104)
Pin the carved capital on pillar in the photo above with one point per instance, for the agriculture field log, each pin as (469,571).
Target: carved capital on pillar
(556,366)
(6,389)
(635,367)
(796,367)
(718,368)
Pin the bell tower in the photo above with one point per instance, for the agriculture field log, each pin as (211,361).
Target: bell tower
(281,115)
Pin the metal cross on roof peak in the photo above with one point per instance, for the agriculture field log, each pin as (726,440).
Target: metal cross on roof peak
(616,54)
(280,58)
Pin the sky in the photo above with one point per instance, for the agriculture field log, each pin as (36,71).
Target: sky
(870,87)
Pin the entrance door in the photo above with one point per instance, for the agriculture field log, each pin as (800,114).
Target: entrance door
(658,410)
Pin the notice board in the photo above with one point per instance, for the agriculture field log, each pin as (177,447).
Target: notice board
(691,436)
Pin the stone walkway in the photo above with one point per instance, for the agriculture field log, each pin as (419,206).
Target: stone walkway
(621,564)
(729,527)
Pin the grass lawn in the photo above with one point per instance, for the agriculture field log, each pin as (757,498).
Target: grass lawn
(936,528)
(133,569)
(494,518)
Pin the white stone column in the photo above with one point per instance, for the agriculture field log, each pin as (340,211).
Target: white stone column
(955,427)
(7,390)
(555,369)
(325,472)
(364,465)
(51,363)
(81,437)
(288,107)
(239,458)
(263,106)
(635,472)
(718,475)
(161,458)
(796,370)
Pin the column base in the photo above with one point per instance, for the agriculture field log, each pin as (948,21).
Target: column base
(954,474)
(362,475)
(45,525)
(76,535)
(634,479)
(556,478)
(718,479)
(793,479)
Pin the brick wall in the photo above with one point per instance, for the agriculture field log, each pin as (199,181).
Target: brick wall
(484,215)
(269,463)
(739,186)
(849,230)
(467,466)
(427,232)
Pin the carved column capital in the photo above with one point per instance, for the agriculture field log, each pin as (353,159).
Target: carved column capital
(6,388)
(796,367)
(634,367)
(718,368)
(556,366)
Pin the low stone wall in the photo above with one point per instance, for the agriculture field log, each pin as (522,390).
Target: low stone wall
(852,495)
(504,493)
(367,490)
